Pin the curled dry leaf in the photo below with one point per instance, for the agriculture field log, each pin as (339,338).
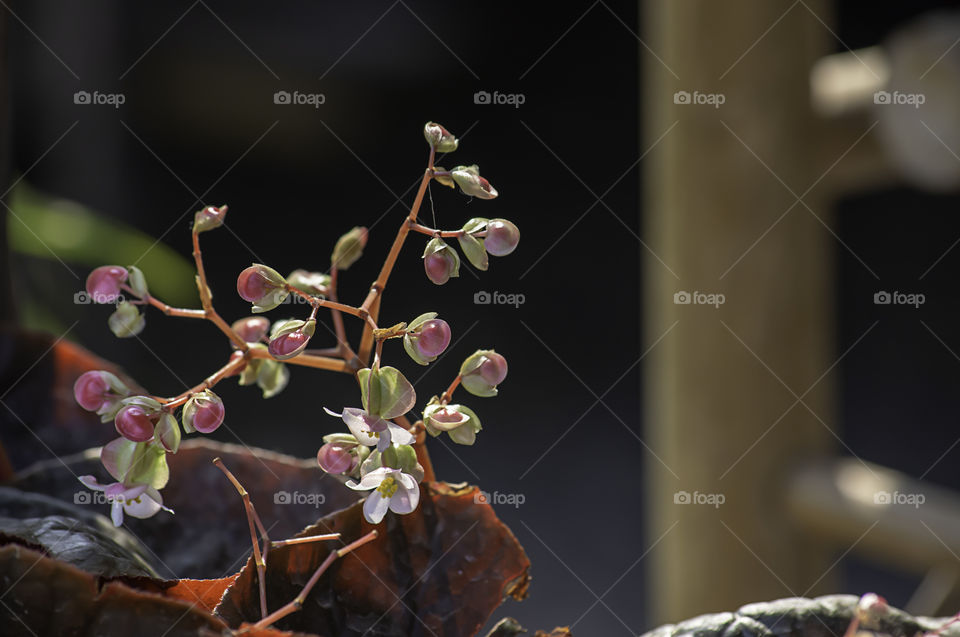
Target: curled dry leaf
(440,570)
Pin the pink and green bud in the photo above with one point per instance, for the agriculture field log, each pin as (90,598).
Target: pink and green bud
(167,432)
(209,218)
(262,286)
(290,337)
(138,282)
(482,372)
(342,454)
(349,248)
(103,284)
(471,183)
(440,261)
(126,321)
(315,283)
(135,423)
(426,338)
(472,245)
(252,328)
(440,138)
(502,237)
(100,391)
(204,412)
(460,422)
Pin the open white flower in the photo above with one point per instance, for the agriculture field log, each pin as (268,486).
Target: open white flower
(140,501)
(372,430)
(393,490)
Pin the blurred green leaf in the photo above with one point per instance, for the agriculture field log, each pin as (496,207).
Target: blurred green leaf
(43,226)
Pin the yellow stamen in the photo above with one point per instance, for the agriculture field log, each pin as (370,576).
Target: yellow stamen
(388,487)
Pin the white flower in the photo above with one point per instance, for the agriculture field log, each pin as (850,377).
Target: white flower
(372,430)
(393,490)
(140,501)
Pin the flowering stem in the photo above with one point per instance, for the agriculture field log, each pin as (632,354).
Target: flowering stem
(308,360)
(236,363)
(371,303)
(447,395)
(206,298)
(433,232)
(297,603)
(260,559)
(345,350)
(420,447)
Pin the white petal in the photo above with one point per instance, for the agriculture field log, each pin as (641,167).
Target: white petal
(370,481)
(405,499)
(143,507)
(361,425)
(375,507)
(91,483)
(116,513)
(399,435)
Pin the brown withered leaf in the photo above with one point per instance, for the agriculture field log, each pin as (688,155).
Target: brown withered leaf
(40,584)
(438,571)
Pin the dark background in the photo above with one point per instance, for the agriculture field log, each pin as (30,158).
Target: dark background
(199,127)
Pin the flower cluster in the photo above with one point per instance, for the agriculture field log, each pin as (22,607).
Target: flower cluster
(382,454)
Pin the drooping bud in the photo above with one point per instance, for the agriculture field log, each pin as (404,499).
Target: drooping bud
(482,372)
(502,237)
(252,328)
(338,457)
(440,138)
(315,283)
(103,284)
(440,261)
(99,391)
(262,286)
(134,423)
(471,183)
(209,218)
(126,321)
(289,338)
(204,412)
(167,432)
(349,248)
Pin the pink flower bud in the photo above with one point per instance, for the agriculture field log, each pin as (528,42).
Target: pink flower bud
(502,237)
(209,218)
(92,391)
(335,457)
(253,285)
(133,423)
(204,412)
(103,284)
(439,267)
(252,328)
(288,345)
(494,369)
(433,338)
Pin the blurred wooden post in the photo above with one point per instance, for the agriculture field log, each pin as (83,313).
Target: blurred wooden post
(708,399)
